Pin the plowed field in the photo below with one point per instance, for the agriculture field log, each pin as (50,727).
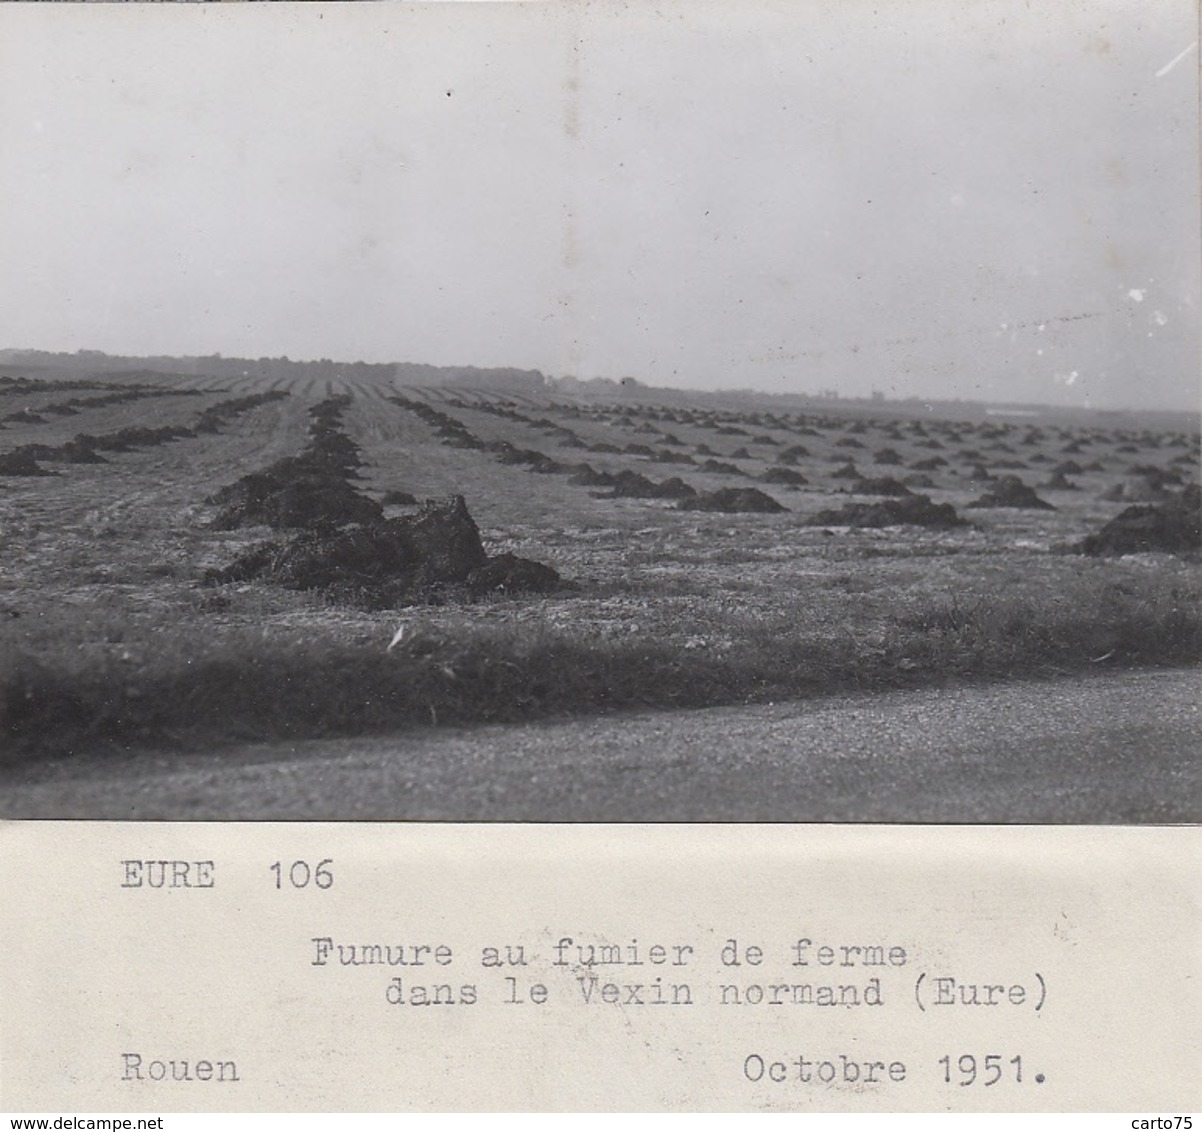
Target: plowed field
(102,564)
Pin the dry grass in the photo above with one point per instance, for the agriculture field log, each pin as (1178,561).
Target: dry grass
(134,685)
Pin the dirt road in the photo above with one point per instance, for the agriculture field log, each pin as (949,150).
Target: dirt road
(1121,747)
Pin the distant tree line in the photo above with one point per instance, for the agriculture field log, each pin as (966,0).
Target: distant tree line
(216,365)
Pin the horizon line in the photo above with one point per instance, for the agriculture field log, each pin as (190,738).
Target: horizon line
(825,395)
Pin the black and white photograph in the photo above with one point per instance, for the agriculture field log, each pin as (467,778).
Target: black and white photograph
(601,412)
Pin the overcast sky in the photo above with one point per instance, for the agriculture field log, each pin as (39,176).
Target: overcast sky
(990,200)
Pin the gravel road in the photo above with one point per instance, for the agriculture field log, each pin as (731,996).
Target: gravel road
(1120,747)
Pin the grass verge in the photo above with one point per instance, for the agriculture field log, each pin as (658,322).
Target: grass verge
(240,687)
